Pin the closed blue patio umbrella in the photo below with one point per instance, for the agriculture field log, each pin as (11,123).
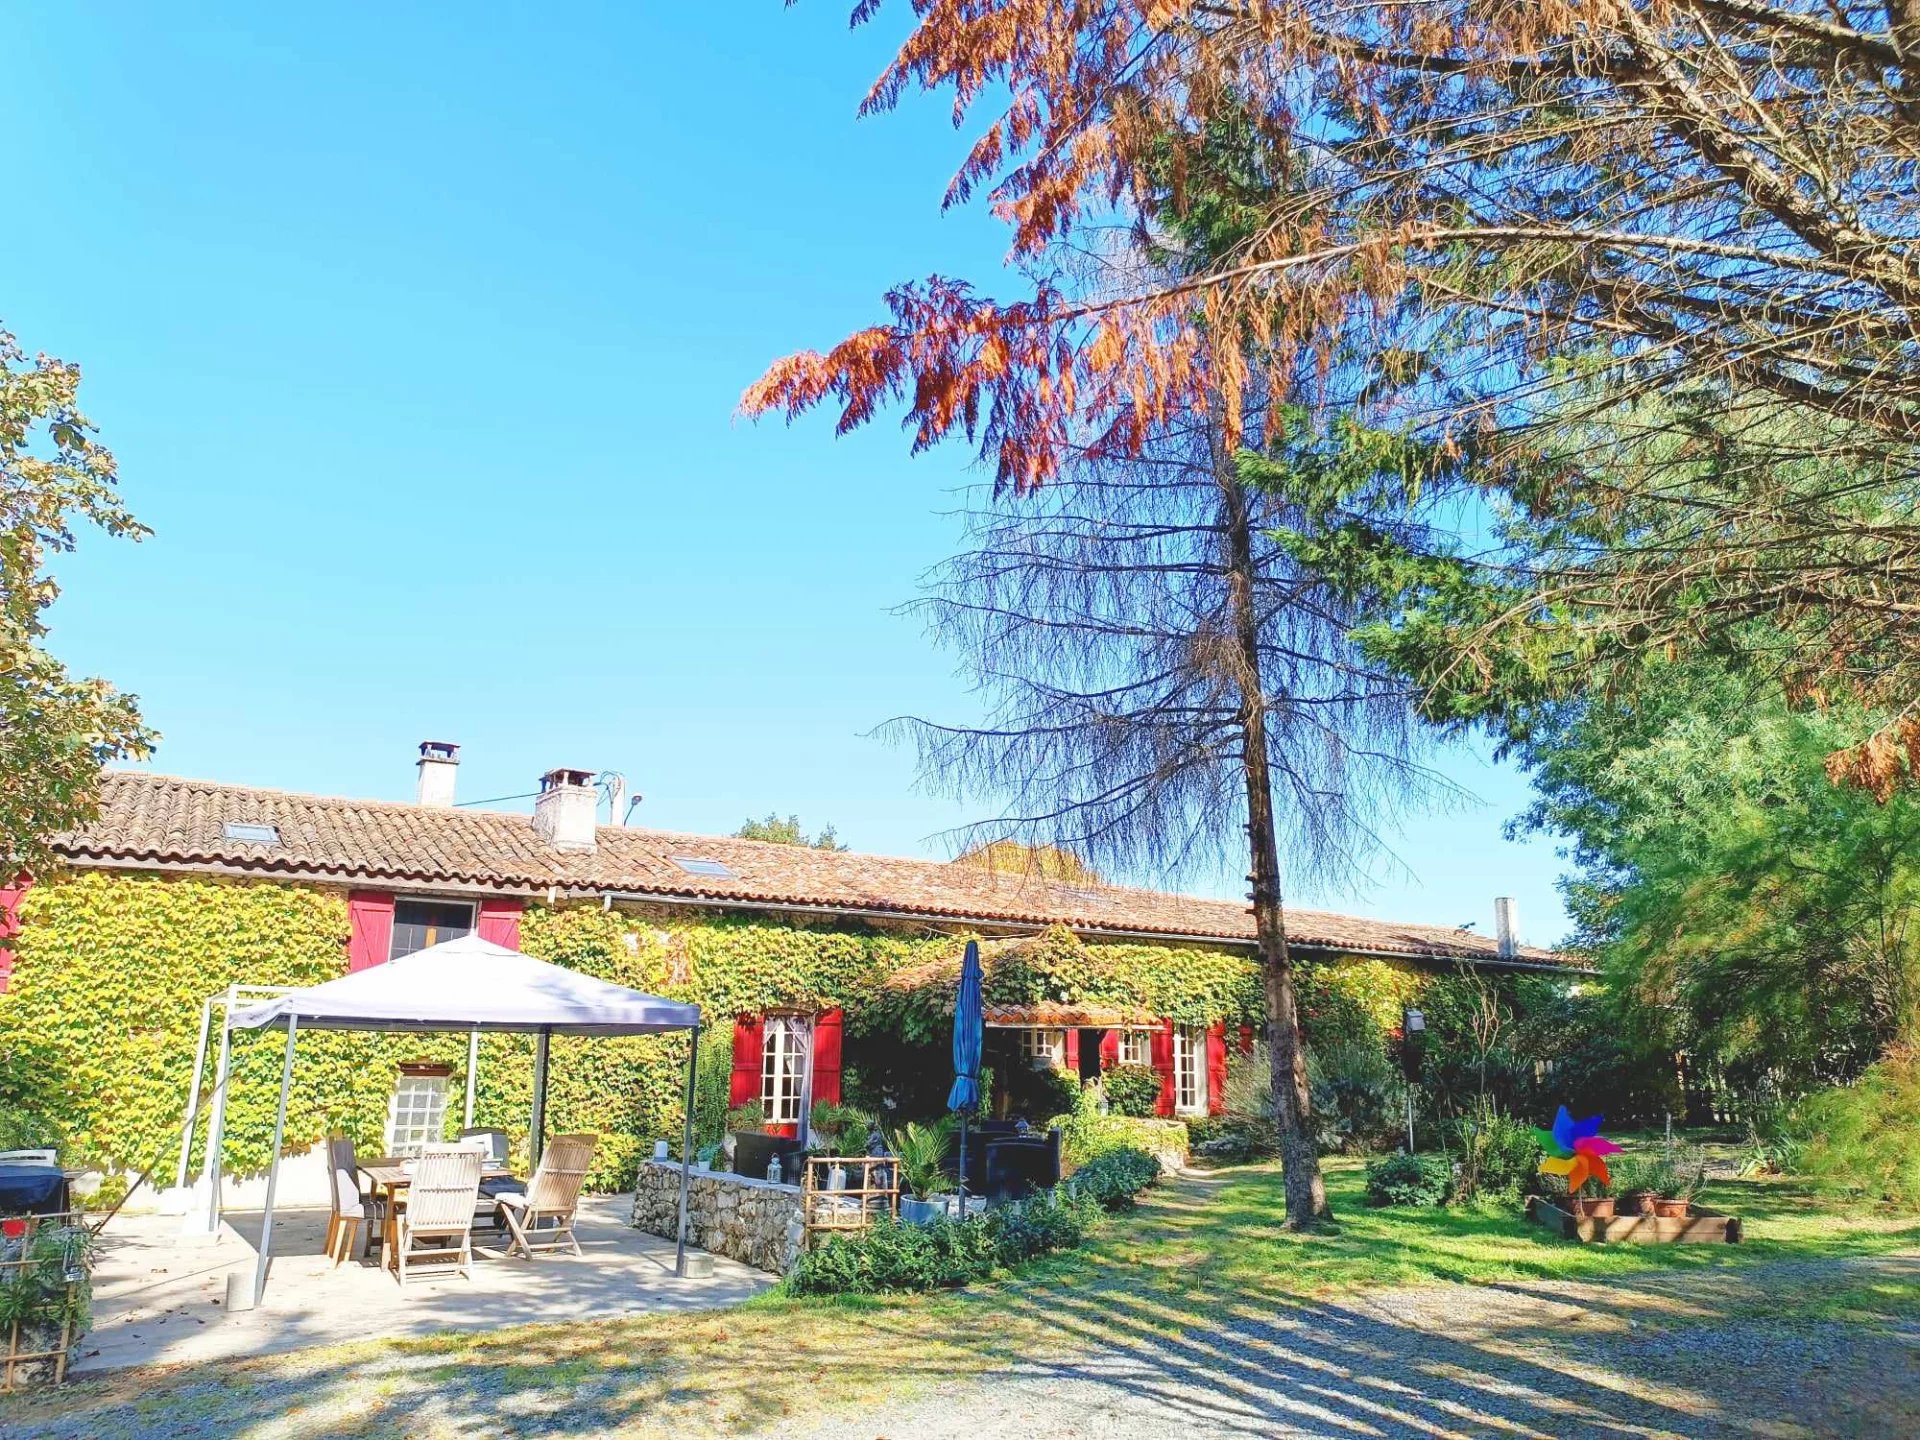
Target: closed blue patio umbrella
(969,1034)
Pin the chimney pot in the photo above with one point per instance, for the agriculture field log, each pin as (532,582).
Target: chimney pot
(566,809)
(438,765)
(1506,926)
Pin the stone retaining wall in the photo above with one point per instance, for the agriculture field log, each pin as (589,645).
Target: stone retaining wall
(753,1221)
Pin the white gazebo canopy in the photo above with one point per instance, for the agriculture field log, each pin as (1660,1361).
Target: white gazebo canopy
(472,984)
(466,985)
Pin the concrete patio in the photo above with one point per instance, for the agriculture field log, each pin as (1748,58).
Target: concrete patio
(160,1299)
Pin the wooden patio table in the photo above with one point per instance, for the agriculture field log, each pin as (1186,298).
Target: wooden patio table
(389,1174)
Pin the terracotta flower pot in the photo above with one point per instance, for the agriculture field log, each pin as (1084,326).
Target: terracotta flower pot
(1600,1208)
(1672,1209)
(1639,1202)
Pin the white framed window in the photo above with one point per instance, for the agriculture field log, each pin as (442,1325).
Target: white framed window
(1044,1049)
(786,1051)
(1189,1069)
(1136,1047)
(417,1112)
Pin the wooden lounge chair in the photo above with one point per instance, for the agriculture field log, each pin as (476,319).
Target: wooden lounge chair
(437,1222)
(349,1206)
(542,1219)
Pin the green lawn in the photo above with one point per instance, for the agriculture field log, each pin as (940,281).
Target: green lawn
(1198,1249)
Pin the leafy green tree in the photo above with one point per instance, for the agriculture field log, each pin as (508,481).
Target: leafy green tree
(1747,912)
(777,831)
(56,731)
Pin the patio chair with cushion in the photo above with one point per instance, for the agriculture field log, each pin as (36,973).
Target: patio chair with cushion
(343,1192)
(542,1219)
(437,1221)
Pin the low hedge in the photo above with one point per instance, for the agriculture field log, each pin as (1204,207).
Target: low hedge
(892,1257)
(1114,1178)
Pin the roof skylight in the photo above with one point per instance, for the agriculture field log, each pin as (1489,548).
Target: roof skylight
(248,832)
(694,865)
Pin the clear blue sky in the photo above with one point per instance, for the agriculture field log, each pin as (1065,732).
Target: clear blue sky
(418,333)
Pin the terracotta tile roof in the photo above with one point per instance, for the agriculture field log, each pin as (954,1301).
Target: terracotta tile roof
(1046,1013)
(163,821)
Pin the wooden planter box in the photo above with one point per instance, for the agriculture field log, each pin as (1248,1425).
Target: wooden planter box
(1701,1227)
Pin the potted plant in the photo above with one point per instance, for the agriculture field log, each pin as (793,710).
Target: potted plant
(1593,1202)
(1686,1172)
(1636,1183)
(922,1151)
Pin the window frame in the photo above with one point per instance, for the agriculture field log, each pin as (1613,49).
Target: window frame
(472,908)
(427,1120)
(1135,1048)
(786,1064)
(1044,1046)
(1190,1070)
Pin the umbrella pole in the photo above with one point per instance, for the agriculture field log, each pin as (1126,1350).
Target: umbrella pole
(686,1156)
(963,1165)
(273,1165)
(537,1139)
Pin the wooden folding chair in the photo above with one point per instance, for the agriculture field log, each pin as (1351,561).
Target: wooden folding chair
(542,1219)
(437,1223)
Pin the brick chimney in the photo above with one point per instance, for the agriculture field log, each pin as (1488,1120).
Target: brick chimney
(1506,926)
(566,809)
(438,764)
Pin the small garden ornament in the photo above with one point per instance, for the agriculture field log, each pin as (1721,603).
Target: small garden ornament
(1575,1152)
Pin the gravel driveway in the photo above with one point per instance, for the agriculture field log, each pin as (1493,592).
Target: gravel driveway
(1788,1348)
(1694,1354)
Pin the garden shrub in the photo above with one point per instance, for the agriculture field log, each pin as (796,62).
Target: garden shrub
(1356,1093)
(890,1256)
(1085,1133)
(1415,1180)
(1036,1091)
(1115,1177)
(1132,1090)
(1028,1229)
(1864,1138)
(1252,1137)
(1499,1157)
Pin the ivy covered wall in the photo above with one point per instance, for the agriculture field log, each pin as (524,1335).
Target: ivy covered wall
(97,1033)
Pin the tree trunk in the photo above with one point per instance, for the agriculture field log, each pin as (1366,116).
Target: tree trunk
(1292,1098)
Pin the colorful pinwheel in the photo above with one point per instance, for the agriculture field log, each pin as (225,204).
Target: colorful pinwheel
(1574,1149)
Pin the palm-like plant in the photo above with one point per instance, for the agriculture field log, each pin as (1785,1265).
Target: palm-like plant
(922,1151)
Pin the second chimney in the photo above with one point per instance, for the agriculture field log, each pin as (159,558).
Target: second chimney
(566,809)
(438,764)
(1506,926)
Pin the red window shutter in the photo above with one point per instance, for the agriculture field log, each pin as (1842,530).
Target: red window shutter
(1160,1051)
(1073,1051)
(1217,1068)
(1109,1049)
(827,1031)
(369,928)
(10,897)
(499,922)
(749,1036)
